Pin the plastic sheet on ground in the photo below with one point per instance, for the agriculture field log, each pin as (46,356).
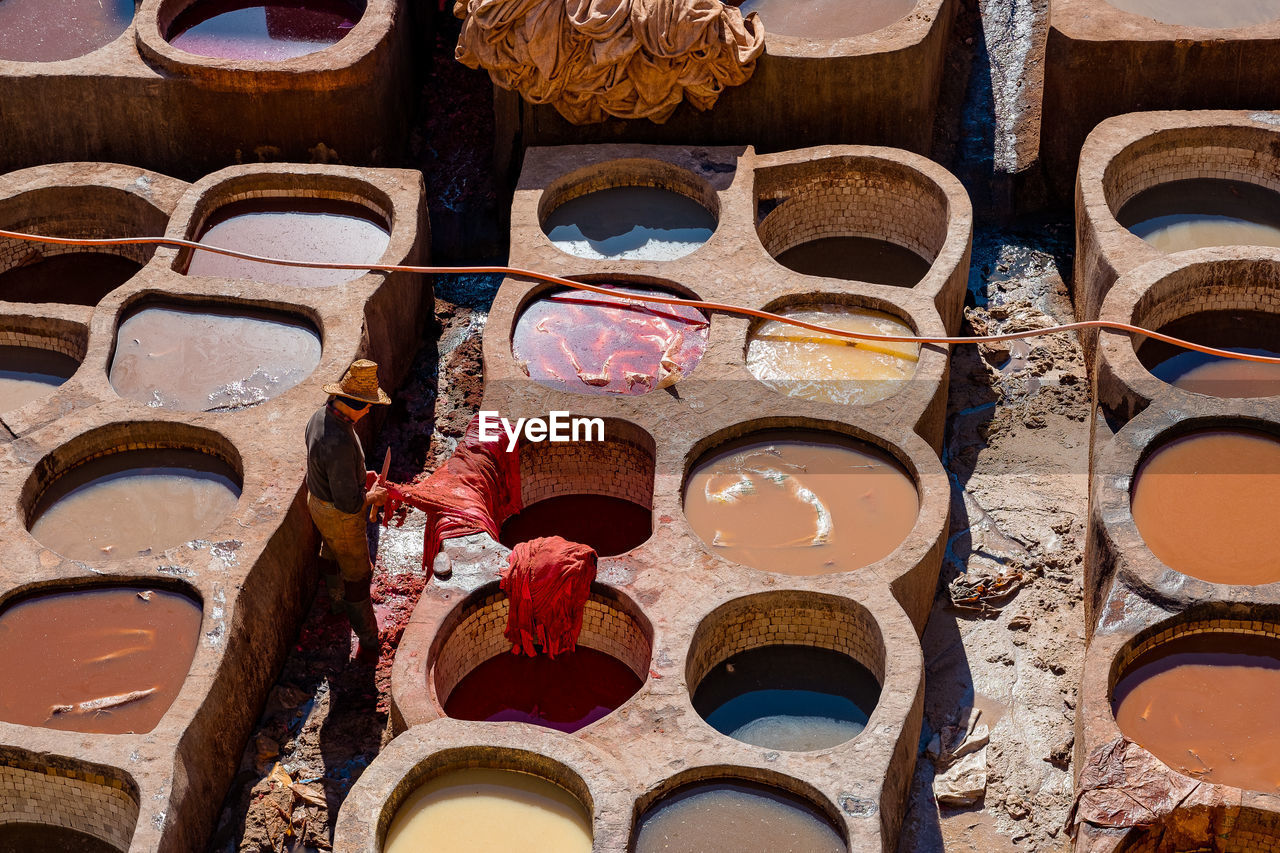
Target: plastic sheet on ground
(547,581)
(626,58)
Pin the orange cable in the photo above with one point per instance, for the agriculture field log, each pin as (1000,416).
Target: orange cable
(661,300)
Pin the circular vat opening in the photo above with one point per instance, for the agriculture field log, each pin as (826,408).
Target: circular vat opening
(1223,14)
(341,227)
(593,343)
(800,501)
(1189,693)
(210,357)
(467,800)
(790,671)
(54,30)
(478,678)
(1223,304)
(37,356)
(75,275)
(1205,501)
(635,209)
(826,368)
(254,30)
(854,218)
(596,489)
(101,659)
(827,20)
(54,804)
(732,813)
(131,489)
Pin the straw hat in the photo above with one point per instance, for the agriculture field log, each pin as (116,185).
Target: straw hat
(360,383)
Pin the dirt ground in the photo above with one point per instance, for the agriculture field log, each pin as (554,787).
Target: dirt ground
(1016,449)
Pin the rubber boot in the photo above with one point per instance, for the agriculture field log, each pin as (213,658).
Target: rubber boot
(332,586)
(364,622)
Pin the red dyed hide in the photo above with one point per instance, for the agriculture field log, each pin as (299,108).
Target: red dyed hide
(547,582)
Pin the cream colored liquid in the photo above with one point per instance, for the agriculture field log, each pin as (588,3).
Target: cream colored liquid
(1198,13)
(823,367)
(482,810)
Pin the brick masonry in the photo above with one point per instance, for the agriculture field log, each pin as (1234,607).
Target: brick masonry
(95,801)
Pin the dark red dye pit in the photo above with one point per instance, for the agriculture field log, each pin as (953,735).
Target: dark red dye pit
(564,693)
(74,278)
(611,526)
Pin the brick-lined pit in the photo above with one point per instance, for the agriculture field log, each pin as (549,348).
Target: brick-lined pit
(54,791)
(472,634)
(850,196)
(48,333)
(1219,829)
(790,618)
(628,172)
(621,466)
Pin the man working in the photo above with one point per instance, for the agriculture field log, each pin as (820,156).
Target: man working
(339,501)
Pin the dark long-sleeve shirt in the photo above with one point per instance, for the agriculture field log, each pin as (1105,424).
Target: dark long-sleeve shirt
(335,461)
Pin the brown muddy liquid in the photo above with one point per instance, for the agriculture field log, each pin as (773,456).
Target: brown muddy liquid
(52,30)
(732,817)
(800,503)
(827,19)
(610,525)
(857,259)
(1198,13)
(28,373)
(74,278)
(207,360)
(44,838)
(69,648)
(1203,703)
(135,502)
(1207,503)
(295,229)
(1200,212)
(1251,332)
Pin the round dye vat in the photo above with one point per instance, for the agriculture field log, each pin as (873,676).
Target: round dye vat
(100,660)
(1201,212)
(481,810)
(46,838)
(800,503)
(135,502)
(827,19)
(795,698)
(207,360)
(713,817)
(72,278)
(630,223)
(294,229)
(1194,703)
(27,374)
(1250,332)
(857,259)
(1193,13)
(823,367)
(566,693)
(593,343)
(246,29)
(610,525)
(1206,506)
(53,30)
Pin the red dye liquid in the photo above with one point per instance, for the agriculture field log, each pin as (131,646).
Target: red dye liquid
(591,343)
(611,526)
(565,693)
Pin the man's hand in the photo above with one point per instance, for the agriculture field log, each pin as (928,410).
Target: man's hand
(376,496)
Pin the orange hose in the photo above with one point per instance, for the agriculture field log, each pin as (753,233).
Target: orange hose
(660,300)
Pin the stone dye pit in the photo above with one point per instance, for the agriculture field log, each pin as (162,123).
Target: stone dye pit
(248,30)
(630,223)
(136,502)
(610,525)
(294,229)
(209,359)
(1250,332)
(42,838)
(53,30)
(108,660)
(713,816)
(825,19)
(820,366)
(50,804)
(28,373)
(1196,213)
(483,810)
(1188,13)
(77,278)
(800,503)
(592,343)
